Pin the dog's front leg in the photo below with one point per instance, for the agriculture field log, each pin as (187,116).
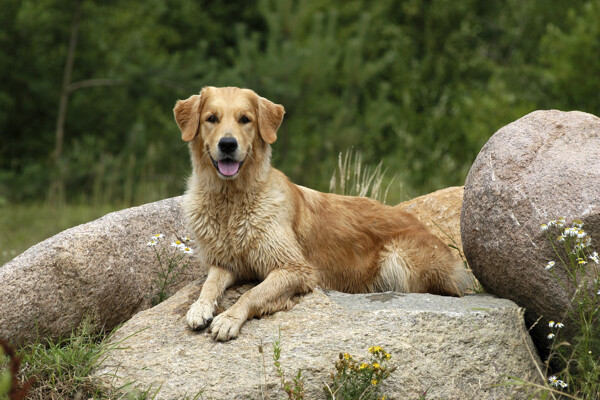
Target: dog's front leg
(273,294)
(200,314)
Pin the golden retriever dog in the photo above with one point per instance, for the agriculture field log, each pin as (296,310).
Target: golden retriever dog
(251,223)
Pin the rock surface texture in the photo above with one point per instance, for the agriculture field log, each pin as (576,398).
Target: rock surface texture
(440,212)
(538,168)
(103,268)
(453,348)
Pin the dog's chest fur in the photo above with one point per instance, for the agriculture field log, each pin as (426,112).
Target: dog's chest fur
(238,231)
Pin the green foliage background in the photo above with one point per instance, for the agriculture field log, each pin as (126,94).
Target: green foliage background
(419,84)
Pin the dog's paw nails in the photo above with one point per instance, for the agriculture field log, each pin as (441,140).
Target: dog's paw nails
(199,316)
(225,328)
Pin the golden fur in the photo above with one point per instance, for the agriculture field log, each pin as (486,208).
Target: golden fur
(251,222)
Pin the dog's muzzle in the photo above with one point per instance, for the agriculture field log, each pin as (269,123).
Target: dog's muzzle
(227,165)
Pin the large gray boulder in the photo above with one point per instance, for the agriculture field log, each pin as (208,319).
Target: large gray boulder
(536,169)
(451,348)
(103,268)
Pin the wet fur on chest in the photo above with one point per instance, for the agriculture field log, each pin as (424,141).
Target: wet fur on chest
(240,232)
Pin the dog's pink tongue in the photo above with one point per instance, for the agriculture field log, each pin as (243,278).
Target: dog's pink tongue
(228,167)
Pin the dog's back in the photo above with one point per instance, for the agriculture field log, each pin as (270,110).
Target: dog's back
(361,245)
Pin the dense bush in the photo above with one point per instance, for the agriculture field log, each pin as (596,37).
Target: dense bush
(419,84)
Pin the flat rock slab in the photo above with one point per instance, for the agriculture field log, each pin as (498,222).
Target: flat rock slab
(453,348)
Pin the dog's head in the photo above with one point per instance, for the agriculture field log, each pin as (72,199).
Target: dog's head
(230,124)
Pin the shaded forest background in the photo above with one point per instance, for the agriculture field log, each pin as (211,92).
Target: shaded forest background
(418,84)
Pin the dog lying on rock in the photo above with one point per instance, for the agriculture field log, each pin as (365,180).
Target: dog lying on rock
(251,223)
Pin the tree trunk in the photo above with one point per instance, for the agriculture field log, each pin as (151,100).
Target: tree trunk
(57,190)
(65,90)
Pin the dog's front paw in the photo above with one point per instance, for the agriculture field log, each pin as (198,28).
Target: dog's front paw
(200,315)
(226,326)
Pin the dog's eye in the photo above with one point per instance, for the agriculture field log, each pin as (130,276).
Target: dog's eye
(212,119)
(244,120)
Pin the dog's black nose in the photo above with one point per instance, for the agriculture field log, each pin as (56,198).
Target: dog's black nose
(228,145)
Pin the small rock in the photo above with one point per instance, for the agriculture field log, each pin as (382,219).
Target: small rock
(439,212)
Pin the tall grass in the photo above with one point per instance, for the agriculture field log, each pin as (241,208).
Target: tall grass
(576,361)
(353,178)
(573,363)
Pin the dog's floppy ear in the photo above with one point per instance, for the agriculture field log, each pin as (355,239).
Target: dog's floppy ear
(270,116)
(187,115)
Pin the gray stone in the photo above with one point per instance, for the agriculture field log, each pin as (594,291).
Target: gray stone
(453,348)
(103,268)
(538,168)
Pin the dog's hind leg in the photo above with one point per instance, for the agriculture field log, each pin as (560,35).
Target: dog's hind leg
(420,263)
(200,314)
(275,293)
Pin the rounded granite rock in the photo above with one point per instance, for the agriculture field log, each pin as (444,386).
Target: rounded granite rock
(103,269)
(541,167)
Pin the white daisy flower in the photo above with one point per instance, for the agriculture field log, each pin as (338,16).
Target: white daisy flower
(561,238)
(187,239)
(158,236)
(544,227)
(553,380)
(187,250)
(594,257)
(562,384)
(152,243)
(551,324)
(578,223)
(552,223)
(549,265)
(560,325)
(177,244)
(551,336)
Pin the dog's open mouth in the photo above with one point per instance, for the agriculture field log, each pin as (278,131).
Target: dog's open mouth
(227,166)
